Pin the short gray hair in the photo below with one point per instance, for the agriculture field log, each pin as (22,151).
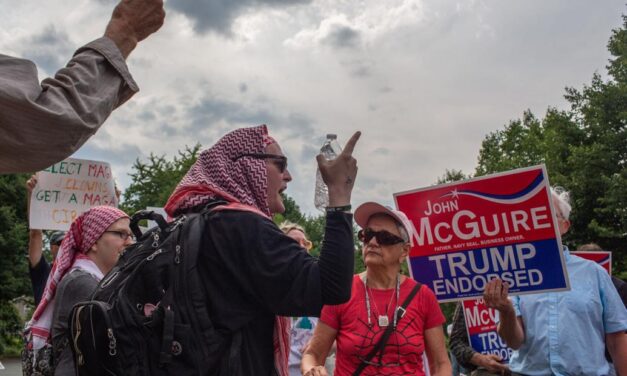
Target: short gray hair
(562,198)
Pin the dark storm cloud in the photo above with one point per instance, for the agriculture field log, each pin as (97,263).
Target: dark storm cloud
(341,36)
(218,15)
(50,49)
(210,111)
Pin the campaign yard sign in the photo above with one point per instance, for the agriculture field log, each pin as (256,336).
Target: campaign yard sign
(481,320)
(67,189)
(603,258)
(481,328)
(469,232)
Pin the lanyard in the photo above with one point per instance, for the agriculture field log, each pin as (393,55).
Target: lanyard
(383,319)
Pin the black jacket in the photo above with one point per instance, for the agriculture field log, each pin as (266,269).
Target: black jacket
(252,272)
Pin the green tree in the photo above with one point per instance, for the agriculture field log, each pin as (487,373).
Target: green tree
(13,263)
(153,181)
(452,176)
(585,151)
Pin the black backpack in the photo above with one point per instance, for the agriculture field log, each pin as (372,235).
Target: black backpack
(148,315)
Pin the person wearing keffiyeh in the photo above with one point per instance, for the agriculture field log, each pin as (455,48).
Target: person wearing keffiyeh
(253,273)
(89,250)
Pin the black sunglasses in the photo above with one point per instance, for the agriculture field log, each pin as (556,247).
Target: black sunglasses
(279,160)
(383,237)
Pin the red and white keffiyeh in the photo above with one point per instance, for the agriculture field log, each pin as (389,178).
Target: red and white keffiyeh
(83,233)
(243,182)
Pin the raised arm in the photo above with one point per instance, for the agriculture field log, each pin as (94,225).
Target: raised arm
(35,237)
(133,21)
(339,174)
(336,260)
(41,124)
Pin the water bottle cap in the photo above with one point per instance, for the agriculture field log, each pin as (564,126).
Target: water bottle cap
(331,136)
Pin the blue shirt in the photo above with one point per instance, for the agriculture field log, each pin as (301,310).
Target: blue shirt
(565,331)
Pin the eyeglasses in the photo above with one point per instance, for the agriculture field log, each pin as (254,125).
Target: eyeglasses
(383,237)
(122,234)
(279,160)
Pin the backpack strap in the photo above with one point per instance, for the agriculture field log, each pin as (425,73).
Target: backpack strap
(380,346)
(146,214)
(167,338)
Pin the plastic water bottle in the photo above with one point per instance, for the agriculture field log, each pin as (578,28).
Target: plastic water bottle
(330,150)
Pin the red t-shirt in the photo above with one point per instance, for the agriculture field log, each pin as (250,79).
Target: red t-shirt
(355,339)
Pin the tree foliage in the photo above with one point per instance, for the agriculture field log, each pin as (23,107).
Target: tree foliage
(452,176)
(13,262)
(153,181)
(584,149)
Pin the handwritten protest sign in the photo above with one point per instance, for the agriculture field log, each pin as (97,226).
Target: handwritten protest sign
(481,328)
(603,258)
(472,231)
(67,189)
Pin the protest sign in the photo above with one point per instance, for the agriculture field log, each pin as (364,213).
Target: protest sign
(481,328)
(603,258)
(67,189)
(481,323)
(472,231)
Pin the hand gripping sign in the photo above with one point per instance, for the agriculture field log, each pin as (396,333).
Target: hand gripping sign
(67,189)
(472,231)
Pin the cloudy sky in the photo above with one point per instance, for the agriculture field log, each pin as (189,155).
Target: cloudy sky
(425,80)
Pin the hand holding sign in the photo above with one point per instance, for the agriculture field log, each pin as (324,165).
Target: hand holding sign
(496,295)
(490,362)
(339,174)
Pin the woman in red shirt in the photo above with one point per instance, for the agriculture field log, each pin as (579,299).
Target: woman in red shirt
(359,324)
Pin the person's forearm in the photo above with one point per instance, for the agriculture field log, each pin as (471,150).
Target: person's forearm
(35,247)
(337,259)
(509,328)
(441,368)
(617,347)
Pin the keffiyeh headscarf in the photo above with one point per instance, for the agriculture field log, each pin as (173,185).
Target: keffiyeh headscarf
(217,173)
(243,182)
(83,233)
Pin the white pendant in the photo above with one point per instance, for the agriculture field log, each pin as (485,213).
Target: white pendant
(383,321)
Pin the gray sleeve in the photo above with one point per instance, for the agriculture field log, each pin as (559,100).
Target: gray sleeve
(74,287)
(459,345)
(41,124)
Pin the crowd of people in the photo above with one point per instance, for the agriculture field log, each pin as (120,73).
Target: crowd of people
(278,309)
